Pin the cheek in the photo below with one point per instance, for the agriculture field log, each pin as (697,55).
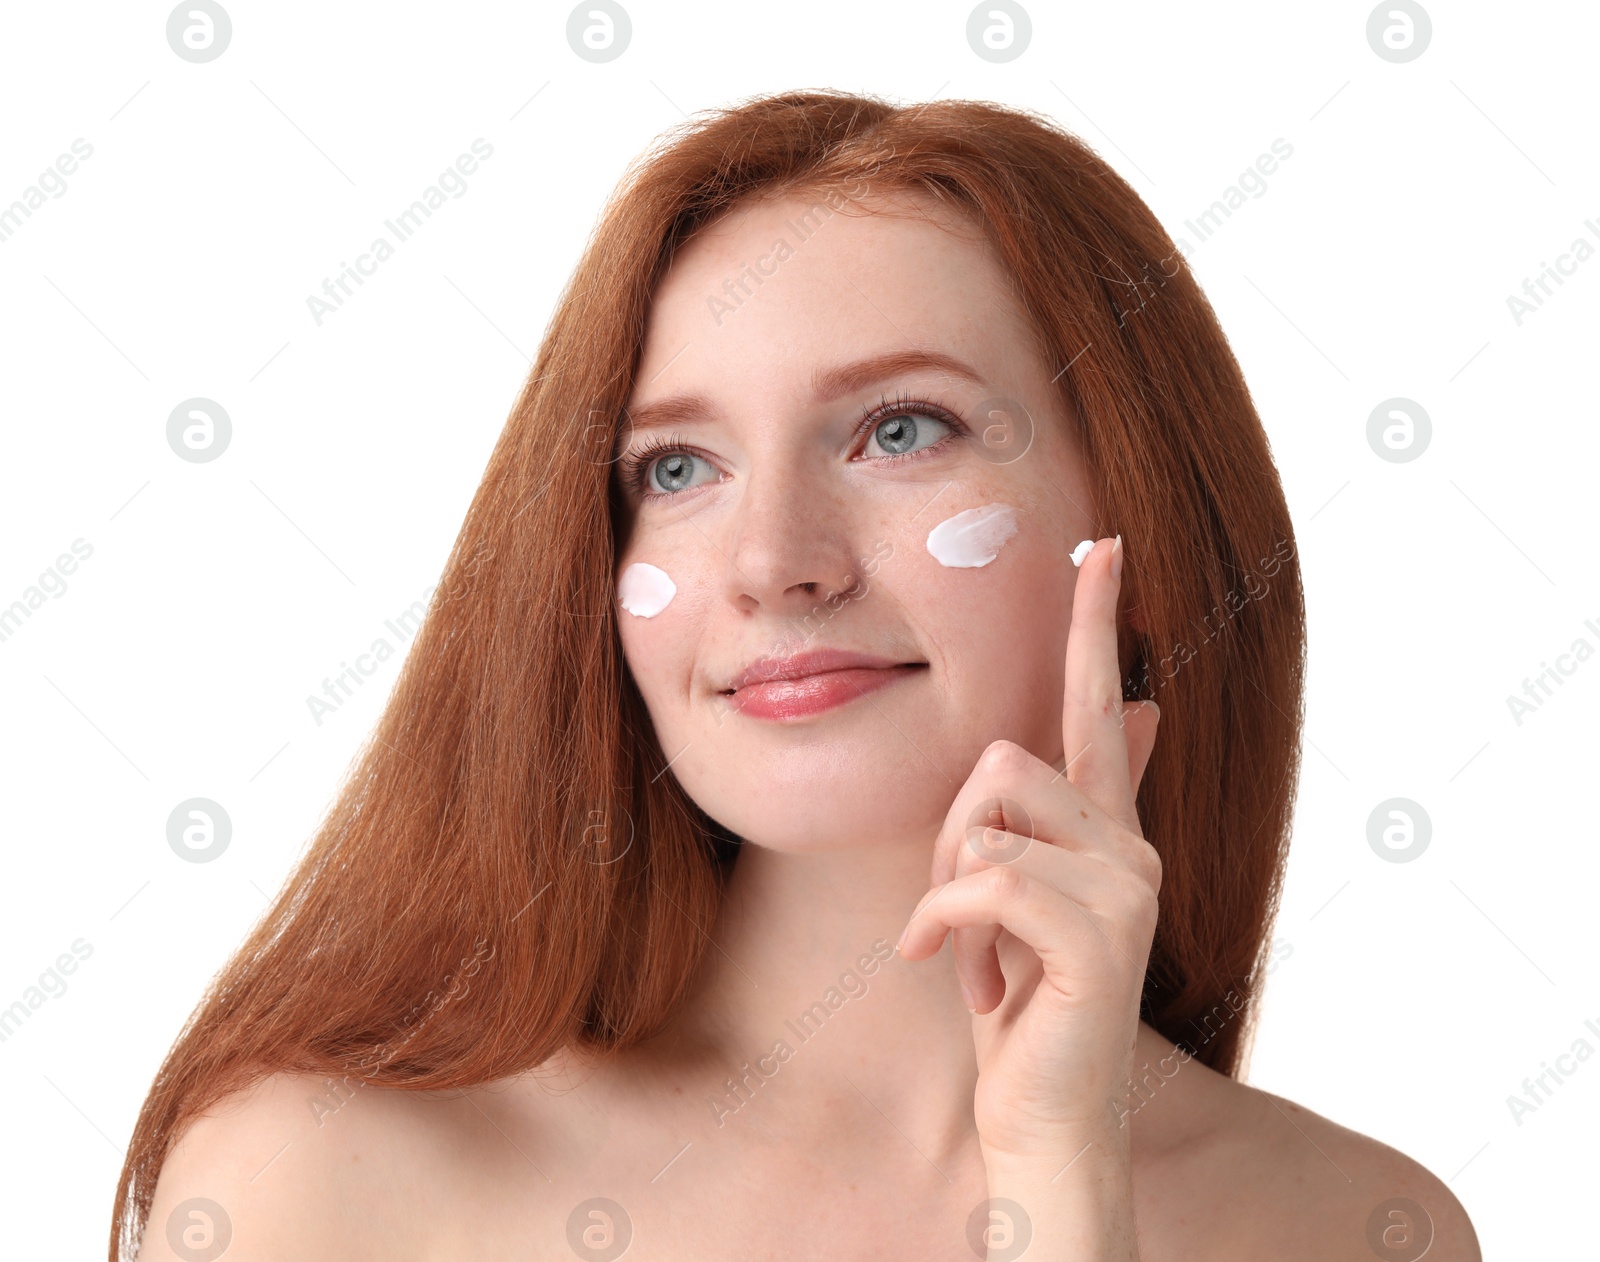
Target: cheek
(661,606)
(644,590)
(973,538)
(994,595)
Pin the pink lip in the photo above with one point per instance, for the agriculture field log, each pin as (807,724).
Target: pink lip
(809,683)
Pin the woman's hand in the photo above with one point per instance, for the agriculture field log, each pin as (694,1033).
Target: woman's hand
(1049,887)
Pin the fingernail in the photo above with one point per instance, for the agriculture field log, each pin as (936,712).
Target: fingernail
(902,941)
(1116,558)
(967,995)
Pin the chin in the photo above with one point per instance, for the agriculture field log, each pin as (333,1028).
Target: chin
(830,812)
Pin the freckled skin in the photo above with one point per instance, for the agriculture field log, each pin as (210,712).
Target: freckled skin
(784,497)
(875,1113)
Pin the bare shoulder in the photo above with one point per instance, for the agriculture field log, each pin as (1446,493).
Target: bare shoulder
(302,1166)
(1285,1181)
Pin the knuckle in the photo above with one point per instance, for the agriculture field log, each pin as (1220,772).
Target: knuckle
(1144,859)
(1005,880)
(1135,890)
(1135,902)
(1002,755)
(1151,859)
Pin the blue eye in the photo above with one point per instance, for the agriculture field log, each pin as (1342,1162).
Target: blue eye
(663,467)
(906,432)
(902,429)
(672,472)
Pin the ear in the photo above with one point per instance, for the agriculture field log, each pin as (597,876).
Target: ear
(1139,722)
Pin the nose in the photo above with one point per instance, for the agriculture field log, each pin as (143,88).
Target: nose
(788,546)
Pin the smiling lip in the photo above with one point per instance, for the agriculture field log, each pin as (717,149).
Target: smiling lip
(809,683)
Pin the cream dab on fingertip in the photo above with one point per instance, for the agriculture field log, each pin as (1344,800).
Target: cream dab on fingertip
(644,590)
(1081,551)
(974,537)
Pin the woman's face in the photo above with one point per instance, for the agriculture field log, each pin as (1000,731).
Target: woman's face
(786,528)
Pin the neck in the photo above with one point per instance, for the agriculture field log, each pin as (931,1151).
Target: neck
(805,1021)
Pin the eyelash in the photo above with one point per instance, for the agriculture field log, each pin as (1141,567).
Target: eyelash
(634,465)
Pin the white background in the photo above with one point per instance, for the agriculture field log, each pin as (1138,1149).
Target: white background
(1414,998)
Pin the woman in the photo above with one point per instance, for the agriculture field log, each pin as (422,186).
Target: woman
(777,600)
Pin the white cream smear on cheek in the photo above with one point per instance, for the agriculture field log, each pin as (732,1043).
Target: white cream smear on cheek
(645,590)
(974,537)
(1081,551)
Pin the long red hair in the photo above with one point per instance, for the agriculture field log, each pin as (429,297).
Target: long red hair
(508,816)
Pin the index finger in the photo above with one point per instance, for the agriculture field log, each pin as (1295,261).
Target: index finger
(1095,744)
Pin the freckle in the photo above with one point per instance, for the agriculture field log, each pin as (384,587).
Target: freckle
(1085,814)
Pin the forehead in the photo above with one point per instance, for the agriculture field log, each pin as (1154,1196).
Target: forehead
(781,286)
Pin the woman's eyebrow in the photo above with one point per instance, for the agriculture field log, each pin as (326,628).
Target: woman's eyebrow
(834,383)
(827,385)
